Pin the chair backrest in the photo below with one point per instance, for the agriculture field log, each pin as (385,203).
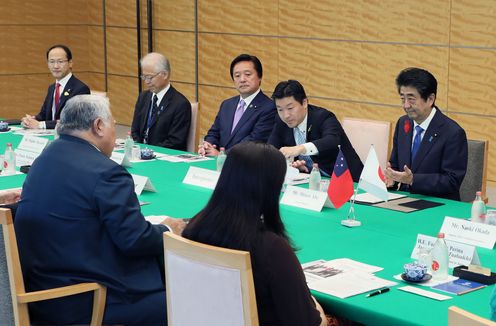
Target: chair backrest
(6,311)
(191,144)
(363,133)
(460,317)
(475,178)
(208,285)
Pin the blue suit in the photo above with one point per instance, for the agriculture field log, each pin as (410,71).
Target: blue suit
(255,125)
(73,87)
(79,220)
(441,161)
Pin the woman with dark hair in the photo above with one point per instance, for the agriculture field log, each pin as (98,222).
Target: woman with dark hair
(243,214)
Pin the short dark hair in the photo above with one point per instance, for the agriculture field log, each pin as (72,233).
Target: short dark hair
(423,81)
(289,88)
(245,202)
(68,52)
(247,57)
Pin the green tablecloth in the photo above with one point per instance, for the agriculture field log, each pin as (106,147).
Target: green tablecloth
(386,238)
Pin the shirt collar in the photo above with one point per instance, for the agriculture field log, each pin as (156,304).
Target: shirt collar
(64,80)
(249,99)
(161,94)
(425,124)
(303,125)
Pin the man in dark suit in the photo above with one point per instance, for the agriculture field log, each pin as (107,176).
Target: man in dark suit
(429,153)
(309,134)
(249,116)
(162,115)
(79,220)
(66,85)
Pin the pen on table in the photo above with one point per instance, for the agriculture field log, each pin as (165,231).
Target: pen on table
(380,291)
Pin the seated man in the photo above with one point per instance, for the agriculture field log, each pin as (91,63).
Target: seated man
(66,85)
(309,134)
(79,220)
(249,116)
(162,115)
(429,153)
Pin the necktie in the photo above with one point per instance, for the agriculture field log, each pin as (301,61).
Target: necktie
(301,139)
(56,101)
(417,140)
(154,106)
(238,114)
(151,116)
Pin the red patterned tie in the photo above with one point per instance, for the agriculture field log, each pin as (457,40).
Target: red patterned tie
(56,100)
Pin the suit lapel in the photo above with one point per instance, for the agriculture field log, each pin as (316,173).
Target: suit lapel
(249,112)
(51,90)
(162,106)
(429,139)
(63,97)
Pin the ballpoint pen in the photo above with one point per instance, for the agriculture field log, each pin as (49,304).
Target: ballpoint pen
(380,291)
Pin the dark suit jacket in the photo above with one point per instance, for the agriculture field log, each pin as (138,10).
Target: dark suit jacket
(79,220)
(255,124)
(171,125)
(441,161)
(73,87)
(326,133)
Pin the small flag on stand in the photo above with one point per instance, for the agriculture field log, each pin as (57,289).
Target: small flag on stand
(372,179)
(341,186)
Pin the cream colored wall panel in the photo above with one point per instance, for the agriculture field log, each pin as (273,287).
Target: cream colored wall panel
(121,13)
(371,20)
(357,71)
(46,12)
(481,128)
(95,81)
(237,16)
(187,90)
(96,53)
(217,52)
(473,22)
(123,93)
(472,79)
(176,15)
(95,12)
(179,48)
(122,55)
(210,99)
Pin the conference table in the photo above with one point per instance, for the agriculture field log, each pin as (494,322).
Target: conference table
(386,239)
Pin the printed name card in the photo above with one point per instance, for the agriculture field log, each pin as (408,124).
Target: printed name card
(142,183)
(121,159)
(475,234)
(459,253)
(305,198)
(29,149)
(25,157)
(201,177)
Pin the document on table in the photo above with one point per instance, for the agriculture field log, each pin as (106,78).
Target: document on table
(424,293)
(367,198)
(187,158)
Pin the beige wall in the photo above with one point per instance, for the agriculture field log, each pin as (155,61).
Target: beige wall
(346,53)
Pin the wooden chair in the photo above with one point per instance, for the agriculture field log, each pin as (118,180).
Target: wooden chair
(460,317)
(21,298)
(475,178)
(363,133)
(191,144)
(208,285)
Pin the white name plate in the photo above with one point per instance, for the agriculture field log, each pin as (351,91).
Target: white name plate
(475,234)
(304,198)
(24,157)
(201,177)
(33,144)
(459,253)
(121,159)
(142,183)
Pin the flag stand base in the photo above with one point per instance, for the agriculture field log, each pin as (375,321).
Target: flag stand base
(351,223)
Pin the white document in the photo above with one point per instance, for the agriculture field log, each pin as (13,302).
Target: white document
(201,177)
(371,199)
(33,144)
(459,253)
(121,159)
(350,283)
(304,198)
(24,157)
(142,183)
(430,283)
(3,174)
(155,219)
(475,234)
(321,269)
(424,293)
(300,178)
(35,132)
(187,158)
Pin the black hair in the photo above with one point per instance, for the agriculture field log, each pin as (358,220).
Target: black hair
(289,88)
(247,57)
(422,80)
(63,47)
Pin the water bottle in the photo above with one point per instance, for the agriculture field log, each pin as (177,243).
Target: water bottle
(128,146)
(314,182)
(478,212)
(440,259)
(9,164)
(221,158)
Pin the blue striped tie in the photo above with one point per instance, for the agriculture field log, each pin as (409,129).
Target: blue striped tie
(300,139)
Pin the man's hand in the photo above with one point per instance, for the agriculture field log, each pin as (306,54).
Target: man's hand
(405,177)
(176,225)
(10,196)
(292,151)
(300,165)
(207,149)
(30,122)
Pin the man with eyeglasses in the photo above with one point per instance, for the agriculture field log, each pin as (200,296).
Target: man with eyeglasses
(162,115)
(59,58)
